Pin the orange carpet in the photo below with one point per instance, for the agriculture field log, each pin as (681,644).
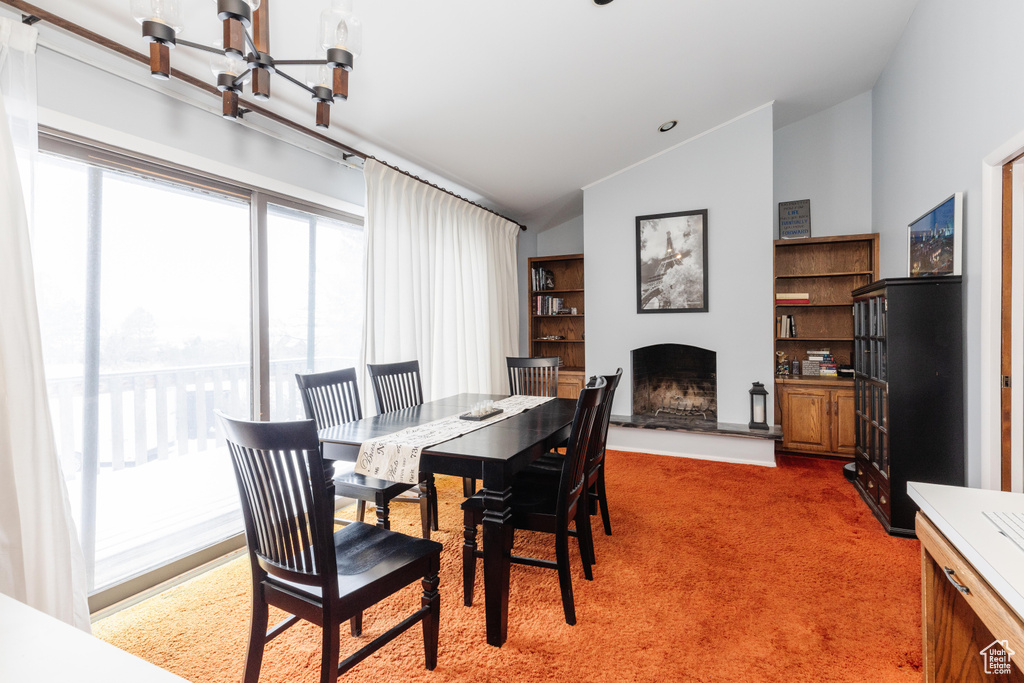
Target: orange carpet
(716,572)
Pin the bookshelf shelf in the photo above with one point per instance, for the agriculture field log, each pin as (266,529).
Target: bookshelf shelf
(553,291)
(808,275)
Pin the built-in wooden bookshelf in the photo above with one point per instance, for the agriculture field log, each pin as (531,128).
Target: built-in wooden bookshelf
(566,284)
(816,413)
(827,269)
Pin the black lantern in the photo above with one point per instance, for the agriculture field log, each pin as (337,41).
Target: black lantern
(758,407)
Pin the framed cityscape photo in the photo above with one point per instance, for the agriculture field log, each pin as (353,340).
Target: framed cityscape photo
(672,262)
(935,240)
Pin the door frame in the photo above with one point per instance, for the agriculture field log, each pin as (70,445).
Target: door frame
(991,273)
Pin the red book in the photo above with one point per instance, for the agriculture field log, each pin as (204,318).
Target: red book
(791,302)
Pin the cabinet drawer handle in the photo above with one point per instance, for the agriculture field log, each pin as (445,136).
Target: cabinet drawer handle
(871,484)
(860,472)
(882,499)
(959,586)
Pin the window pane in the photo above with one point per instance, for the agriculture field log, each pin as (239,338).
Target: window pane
(148,473)
(315,287)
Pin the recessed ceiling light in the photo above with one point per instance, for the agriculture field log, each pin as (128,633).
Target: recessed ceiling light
(668,125)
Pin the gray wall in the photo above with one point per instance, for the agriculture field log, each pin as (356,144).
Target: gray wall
(728,172)
(827,158)
(527,249)
(93,95)
(566,238)
(949,96)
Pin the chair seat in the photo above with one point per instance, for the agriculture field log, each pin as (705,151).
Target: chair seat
(369,555)
(351,484)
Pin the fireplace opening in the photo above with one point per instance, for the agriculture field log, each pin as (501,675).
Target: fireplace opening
(675,380)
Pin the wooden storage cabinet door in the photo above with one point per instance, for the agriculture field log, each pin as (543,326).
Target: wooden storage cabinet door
(805,419)
(570,384)
(844,423)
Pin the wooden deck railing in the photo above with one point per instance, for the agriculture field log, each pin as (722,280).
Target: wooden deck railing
(161,414)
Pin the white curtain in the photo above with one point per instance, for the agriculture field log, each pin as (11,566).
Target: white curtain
(41,563)
(441,285)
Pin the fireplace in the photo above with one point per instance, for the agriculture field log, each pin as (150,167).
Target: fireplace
(675,380)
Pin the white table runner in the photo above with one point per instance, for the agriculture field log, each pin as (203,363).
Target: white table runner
(396,457)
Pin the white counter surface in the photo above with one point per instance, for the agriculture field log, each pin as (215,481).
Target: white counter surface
(36,648)
(957,513)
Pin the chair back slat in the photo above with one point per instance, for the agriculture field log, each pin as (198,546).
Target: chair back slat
(396,386)
(596,455)
(532,376)
(286,501)
(330,398)
(585,428)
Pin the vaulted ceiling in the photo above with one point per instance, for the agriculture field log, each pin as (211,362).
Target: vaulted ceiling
(526,102)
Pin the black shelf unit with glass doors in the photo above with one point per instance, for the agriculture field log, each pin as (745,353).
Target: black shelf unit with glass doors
(908,392)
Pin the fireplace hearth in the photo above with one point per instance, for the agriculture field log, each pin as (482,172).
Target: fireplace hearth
(675,380)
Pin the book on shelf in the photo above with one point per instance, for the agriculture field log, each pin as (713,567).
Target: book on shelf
(541,279)
(548,305)
(785,326)
(792,302)
(792,295)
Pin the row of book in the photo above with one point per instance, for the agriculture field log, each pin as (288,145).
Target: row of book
(541,278)
(549,305)
(792,298)
(785,326)
(825,361)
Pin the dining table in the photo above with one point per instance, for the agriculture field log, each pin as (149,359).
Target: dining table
(493,454)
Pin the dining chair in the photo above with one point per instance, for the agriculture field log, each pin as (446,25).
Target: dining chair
(550,464)
(397,386)
(545,508)
(302,566)
(533,376)
(332,398)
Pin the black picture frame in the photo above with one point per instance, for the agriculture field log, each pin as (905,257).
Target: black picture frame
(684,234)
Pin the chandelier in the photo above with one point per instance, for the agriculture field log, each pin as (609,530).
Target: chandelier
(243,56)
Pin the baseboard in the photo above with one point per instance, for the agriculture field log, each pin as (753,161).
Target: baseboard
(715,447)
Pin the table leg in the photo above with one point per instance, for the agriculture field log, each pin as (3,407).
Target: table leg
(497,538)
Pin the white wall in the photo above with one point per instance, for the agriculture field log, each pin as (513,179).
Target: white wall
(727,171)
(827,158)
(948,97)
(98,97)
(566,238)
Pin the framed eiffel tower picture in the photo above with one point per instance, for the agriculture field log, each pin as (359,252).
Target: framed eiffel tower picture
(672,262)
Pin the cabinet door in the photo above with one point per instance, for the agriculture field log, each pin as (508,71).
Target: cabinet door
(805,419)
(844,424)
(570,384)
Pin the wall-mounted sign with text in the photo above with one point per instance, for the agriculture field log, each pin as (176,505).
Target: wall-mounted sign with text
(795,219)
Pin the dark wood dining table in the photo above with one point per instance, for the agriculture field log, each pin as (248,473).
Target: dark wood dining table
(492,454)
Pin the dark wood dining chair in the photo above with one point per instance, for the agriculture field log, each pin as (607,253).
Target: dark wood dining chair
(546,508)
(332,398)
(301,565)
(397,386)
(532,376)
(550,464)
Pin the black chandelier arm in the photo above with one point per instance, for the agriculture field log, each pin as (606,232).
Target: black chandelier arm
(298,62)
(200,46)
(296,82)
(249,40)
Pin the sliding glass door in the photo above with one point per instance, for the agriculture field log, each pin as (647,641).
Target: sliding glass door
(315,299)
(144,304)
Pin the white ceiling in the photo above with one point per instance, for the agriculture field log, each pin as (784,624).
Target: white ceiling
(525,102)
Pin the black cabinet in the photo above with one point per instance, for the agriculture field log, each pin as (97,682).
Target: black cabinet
(908,392)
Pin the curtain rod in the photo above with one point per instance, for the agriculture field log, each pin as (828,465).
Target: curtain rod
(33,14)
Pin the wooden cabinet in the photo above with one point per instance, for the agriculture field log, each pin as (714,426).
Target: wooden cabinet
(554,331)
(570,383)
(908,392)
(817,415)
